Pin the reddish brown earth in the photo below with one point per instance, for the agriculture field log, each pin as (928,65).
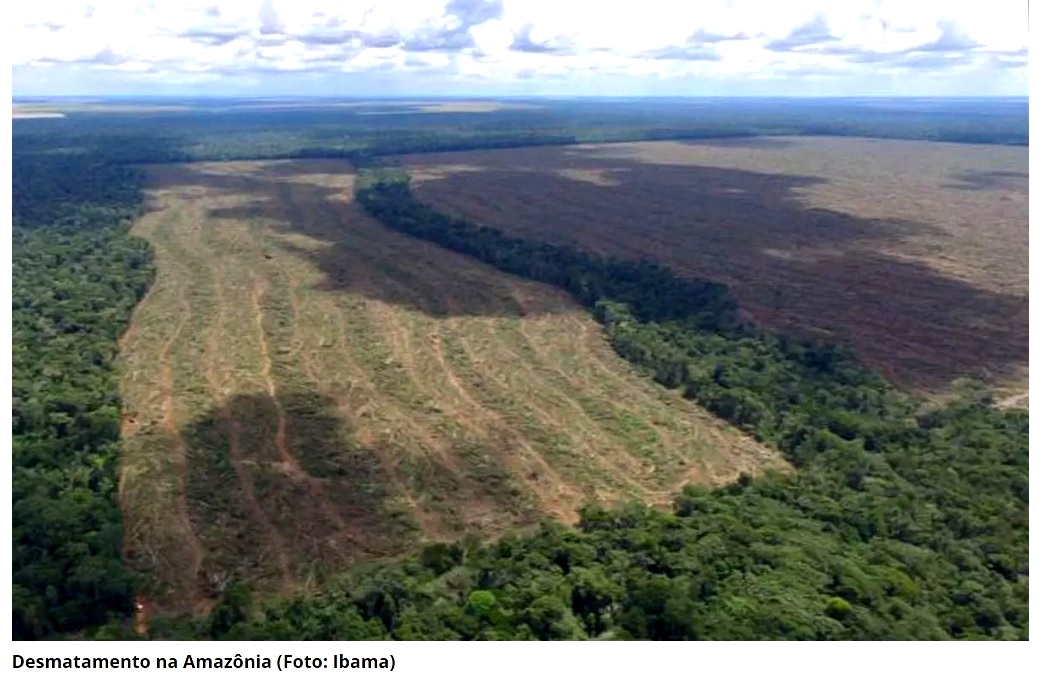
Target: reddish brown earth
(915,253)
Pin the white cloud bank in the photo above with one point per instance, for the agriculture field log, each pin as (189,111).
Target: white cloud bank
(348,47)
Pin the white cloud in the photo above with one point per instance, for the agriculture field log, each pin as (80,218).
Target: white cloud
(515,40)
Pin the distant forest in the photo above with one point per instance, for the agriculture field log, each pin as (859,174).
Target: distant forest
(223,132)
(903,520)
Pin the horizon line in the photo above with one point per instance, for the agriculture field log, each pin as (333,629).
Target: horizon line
(447,97)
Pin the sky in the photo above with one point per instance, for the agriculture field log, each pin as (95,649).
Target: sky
(365,48)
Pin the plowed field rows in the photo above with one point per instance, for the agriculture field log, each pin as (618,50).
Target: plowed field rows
(304,387)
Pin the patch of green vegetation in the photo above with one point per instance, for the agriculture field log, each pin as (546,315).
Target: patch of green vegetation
(76,279)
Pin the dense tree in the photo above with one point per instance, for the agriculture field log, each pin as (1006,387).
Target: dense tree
(76,280)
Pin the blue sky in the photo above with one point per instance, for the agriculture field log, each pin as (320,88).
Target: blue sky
(520,47)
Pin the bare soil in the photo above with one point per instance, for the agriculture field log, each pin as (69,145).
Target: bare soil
(914,253)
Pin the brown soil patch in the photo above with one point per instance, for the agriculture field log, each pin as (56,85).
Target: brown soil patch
(1019,401)
(915,253)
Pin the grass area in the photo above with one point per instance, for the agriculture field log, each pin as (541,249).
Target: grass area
(303,387)
(915,253)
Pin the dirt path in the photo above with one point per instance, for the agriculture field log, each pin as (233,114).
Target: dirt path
(213,339)
(556,496)
(128,426)
(550,404)
(234,427)
(401,421)
(159,534)
(141,615)
(275,539)
(291,465)
(170,424)
(315,485)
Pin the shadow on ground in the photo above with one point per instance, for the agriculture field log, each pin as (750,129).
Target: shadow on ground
(281,492)
(356,254)
(284,511)
(796,268)
(990,181)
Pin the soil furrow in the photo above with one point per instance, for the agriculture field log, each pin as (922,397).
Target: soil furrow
(215,377)
(343,391)
(557,497)
(315,485)
(606,451)
(290,463)
(171,425)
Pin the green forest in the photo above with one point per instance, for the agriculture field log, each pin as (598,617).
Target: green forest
(369,131)
(76,279)
(902,520)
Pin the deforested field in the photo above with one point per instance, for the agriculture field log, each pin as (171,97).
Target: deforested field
(303,387)
(914,253)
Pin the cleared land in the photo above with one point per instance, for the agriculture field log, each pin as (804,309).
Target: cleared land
(304,387)
(28,112)
(915,253)
(60,108)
